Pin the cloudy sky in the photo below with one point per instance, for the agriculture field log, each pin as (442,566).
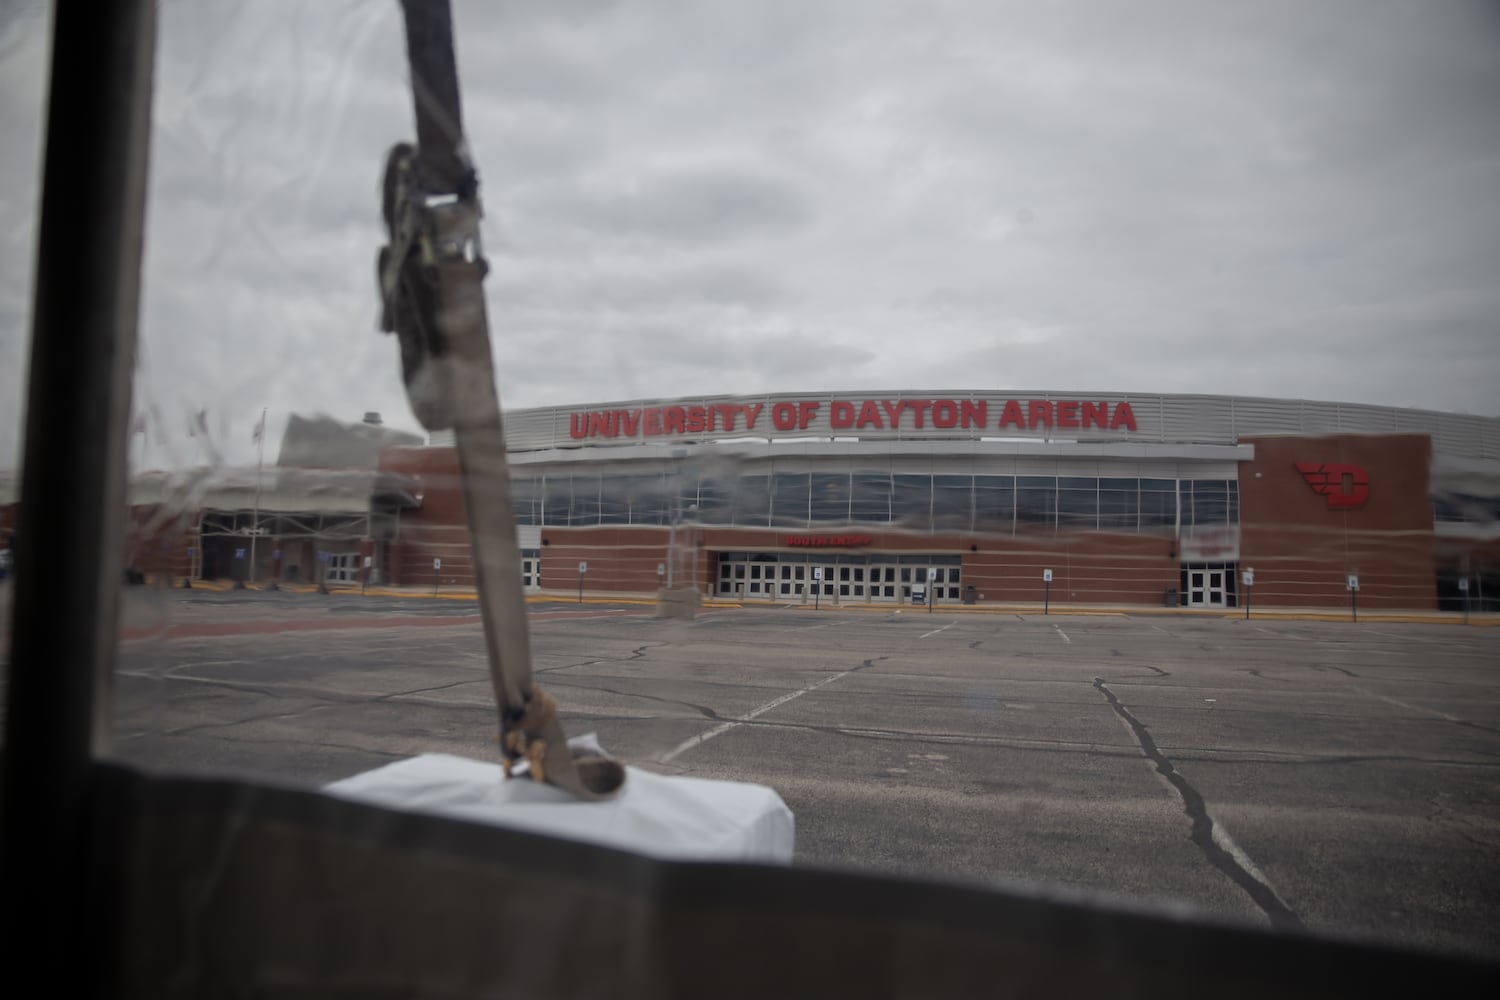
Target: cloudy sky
(1275,198)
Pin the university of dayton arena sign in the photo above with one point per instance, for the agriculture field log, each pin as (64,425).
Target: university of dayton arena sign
(851,415)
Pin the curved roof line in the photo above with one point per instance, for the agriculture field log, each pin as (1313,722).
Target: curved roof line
(980,415)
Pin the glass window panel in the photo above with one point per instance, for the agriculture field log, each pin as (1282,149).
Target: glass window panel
(1158,503)
(1078,503)
(752,500)
(1036,500)
(649,502)
(714,502)
(994,503)
(525,500)
(789,497)
(614,499)
(911,502)
(585,501)
(558,499)
(1119,504)
(953,502)
(870,497)
(1210,502)
(830,498)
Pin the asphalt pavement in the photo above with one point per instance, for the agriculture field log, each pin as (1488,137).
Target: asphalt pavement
(1335,776)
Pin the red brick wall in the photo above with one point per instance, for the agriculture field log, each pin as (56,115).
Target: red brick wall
(1090,567)
(1302,551)
(620,559)
(1087,568)
(435,530)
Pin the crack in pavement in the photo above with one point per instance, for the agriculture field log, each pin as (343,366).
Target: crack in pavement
(1211,838)
(637,653)
(703,710)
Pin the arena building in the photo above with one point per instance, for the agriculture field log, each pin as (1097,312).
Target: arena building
(883,498)
(897,497)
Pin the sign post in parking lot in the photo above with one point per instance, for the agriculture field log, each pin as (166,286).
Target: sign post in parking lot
(1353,584)
(1463,588)
(1046,590)
(583,567)
(817,585)
(931,588)
(1248,579)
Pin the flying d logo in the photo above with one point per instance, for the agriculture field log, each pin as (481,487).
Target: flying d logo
(1345,486)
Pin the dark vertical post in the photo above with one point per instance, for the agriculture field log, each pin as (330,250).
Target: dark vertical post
(71,520)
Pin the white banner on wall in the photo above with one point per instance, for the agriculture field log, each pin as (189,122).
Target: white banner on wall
(1218,543)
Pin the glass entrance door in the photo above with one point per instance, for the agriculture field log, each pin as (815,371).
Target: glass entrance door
(1207,587)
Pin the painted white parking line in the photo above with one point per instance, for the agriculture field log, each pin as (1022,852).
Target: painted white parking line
(725,727)
(1062,633)
(937,630)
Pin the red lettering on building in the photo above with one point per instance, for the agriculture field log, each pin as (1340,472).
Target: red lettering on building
(827,541)
(783,416)
(1346,487)
(845,414)
(1011,415)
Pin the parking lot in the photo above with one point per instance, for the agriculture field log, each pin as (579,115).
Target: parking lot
(1336,776)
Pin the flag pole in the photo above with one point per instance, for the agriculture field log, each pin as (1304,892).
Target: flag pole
(260,461)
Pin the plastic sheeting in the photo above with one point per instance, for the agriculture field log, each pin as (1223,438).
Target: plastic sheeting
(662,816)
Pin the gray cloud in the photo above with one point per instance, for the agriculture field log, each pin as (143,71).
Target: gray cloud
(685,198)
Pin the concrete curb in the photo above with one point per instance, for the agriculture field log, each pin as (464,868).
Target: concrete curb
(1479,620)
